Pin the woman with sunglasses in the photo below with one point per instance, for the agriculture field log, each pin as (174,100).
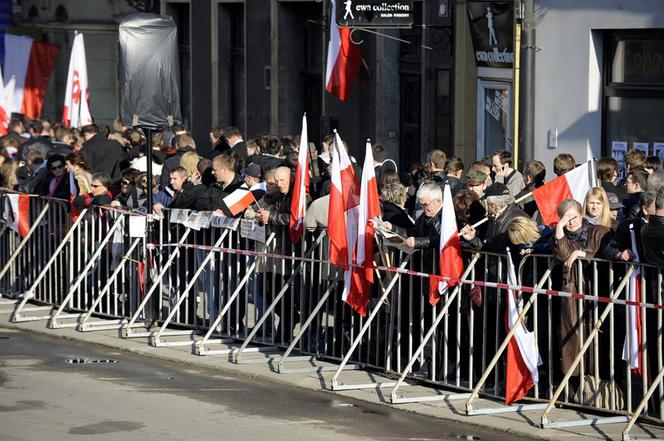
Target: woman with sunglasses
(54,181)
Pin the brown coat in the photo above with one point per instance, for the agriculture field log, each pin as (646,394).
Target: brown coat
(571,323)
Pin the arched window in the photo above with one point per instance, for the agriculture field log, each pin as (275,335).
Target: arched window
(61,14)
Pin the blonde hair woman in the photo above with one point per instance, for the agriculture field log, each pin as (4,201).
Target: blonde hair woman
(596,207)
(190,163)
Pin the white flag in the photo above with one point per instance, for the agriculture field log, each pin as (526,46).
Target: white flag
(77,111)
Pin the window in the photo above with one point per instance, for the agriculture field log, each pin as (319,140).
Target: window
(633,88)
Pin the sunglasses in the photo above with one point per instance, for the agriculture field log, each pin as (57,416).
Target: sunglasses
(57,167)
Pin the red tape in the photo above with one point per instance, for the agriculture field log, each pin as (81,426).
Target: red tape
(495,285)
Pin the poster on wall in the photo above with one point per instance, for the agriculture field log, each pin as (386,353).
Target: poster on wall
(492,31)
(618,151)
(643,146)
(658,150)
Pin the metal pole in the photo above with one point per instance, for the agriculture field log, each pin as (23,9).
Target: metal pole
(152,312)
(527,84)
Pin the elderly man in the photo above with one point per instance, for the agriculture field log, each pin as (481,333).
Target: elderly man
(279,213)
(424,234)
(502,211)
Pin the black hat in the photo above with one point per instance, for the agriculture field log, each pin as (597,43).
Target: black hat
(497,189)
(253,170)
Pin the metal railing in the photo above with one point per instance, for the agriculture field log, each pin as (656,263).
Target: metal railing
(224,287)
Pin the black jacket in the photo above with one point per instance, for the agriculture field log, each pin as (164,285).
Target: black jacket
(426,231)
(188,196)
(212,198)
(280,211)
(267,162)
(652,238)
(241,149)
(86,200)
(43,180)
(631,204)
(528,205)
(497,239)
(104,155)
(622,239)
(615,189)
(396,215)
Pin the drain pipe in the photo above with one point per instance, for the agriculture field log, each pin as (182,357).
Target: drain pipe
(527,84)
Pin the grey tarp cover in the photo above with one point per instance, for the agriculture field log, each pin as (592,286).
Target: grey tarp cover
(149,71)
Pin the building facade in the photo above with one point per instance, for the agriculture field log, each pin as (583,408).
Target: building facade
(259,65)
(599,77)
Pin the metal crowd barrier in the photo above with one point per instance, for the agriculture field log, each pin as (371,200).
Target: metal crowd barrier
(225,287)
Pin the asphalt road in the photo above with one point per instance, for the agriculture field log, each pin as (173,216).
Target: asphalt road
(45,397)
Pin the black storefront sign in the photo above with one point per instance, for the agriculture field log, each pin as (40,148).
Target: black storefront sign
(374,13)
(492,30)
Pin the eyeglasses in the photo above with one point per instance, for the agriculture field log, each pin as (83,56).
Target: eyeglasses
(57,167)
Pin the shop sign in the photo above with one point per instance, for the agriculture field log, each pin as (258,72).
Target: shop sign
(492,31)
(374,13)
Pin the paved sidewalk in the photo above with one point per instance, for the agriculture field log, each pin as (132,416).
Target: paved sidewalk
(258,366)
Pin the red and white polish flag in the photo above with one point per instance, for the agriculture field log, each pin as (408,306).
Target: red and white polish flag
(17,213)
(239,200)
(31,64)
(450,262)
(572,185)
(632,348)
(523,357)
(344,59)
(369,209)
(5,99)
(300,186)
(342,211)
(77,97)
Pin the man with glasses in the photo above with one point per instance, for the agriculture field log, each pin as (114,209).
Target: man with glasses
(636,183)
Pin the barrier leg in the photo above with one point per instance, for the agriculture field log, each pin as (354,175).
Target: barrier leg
(545,423)
(30,293)
(335,385)
(24,241)
(637,412)
(156,338)
(303,328)
(398,399)
(53,324)
(199,345)
(126,330)
(494,361)
(235,355)
(84,325)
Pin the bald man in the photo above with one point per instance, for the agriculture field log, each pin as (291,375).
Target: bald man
(279,213)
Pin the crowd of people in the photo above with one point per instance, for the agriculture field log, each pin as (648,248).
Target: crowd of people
(619,220)
(109,166)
